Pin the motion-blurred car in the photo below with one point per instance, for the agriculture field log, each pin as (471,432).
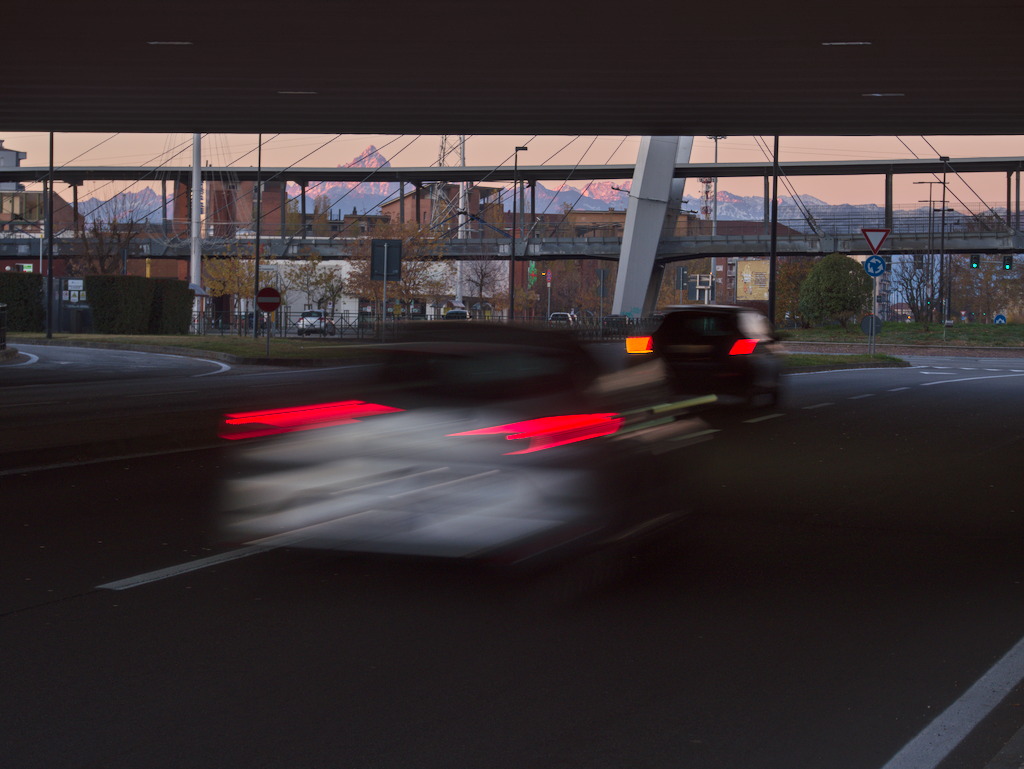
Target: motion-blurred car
(479,442)
(315,322)
(731,352)
(615,325)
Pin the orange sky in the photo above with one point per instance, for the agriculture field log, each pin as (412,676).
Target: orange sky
(327,151)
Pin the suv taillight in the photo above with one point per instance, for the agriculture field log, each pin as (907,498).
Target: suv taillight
(639,344)
(743,347)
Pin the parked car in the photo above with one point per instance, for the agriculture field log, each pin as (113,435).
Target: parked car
(504,446)
(457,315)
(615,324)
(730,352)
(562,317)
(315,322)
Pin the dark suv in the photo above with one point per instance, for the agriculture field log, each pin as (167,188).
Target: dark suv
(731,352)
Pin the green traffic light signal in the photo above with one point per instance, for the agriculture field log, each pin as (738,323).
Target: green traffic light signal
(1007,261)
(975,260)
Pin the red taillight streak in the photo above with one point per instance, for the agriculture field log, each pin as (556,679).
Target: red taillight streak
(639,344)
(548,432)
(743,347)
(256,424)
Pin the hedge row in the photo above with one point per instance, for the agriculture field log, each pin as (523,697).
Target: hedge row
(22,292)
(127,304)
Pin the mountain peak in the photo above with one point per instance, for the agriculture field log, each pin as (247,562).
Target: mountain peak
(368,158)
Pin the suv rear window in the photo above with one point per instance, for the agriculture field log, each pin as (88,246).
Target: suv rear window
(690,327)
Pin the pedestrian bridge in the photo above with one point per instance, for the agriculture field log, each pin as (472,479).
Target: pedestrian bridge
(567,247)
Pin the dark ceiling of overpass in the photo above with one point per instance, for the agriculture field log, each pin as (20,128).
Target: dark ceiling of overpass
(645,67)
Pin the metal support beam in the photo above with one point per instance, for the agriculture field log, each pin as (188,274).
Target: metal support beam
(649,197)
(196,254)
(888,200)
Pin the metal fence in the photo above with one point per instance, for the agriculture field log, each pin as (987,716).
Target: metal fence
(362,326)
(3,326)
(345,325)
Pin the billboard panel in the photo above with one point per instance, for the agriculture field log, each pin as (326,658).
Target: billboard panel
(752,280)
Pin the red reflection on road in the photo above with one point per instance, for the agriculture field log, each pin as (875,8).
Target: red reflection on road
(256,424)
(548,432)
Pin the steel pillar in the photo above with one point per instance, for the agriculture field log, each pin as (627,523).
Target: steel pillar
(648,212)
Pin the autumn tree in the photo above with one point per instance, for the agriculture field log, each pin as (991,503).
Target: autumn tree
(322,284)
(423,266)
(791,272)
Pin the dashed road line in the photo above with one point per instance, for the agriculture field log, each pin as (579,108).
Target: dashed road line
(858,397)
(969,379)
(818,406)
(185,568)
(765,418)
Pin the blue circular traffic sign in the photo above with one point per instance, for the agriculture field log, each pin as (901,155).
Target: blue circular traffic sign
(874,265)
(1000,319)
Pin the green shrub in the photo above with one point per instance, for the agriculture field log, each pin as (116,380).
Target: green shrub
(22,292)
(121,304)
(172,307)
(128,304)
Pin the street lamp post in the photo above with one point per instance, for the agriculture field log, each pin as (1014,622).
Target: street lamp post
(512,254)
(942,249)
(931,233)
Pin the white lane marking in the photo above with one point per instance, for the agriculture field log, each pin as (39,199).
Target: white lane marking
(311,370)
(818,406)
(31,359)
(222,367)
(858,397)
(898,389)
(185,568)
(969,379)
(929,748)
(845,371)
(940,373)
(765,418)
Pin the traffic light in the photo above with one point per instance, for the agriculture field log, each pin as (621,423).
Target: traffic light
(975,260)
(1007,261)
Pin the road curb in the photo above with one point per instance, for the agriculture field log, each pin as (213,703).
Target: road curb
(190,353)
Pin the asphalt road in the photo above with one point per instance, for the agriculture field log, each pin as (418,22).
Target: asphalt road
(849,597)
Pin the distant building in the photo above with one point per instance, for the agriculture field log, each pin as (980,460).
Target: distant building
(24,211)
(482,207)
(10,159)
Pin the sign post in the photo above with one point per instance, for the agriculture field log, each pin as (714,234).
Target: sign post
(268,300)
(385,265)
(874,266)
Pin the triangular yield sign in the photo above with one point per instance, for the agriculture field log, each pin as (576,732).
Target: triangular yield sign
(875,238)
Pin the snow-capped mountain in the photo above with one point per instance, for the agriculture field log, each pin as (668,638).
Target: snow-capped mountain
(367,196)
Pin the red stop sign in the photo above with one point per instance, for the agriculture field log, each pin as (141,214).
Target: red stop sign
(268,299)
